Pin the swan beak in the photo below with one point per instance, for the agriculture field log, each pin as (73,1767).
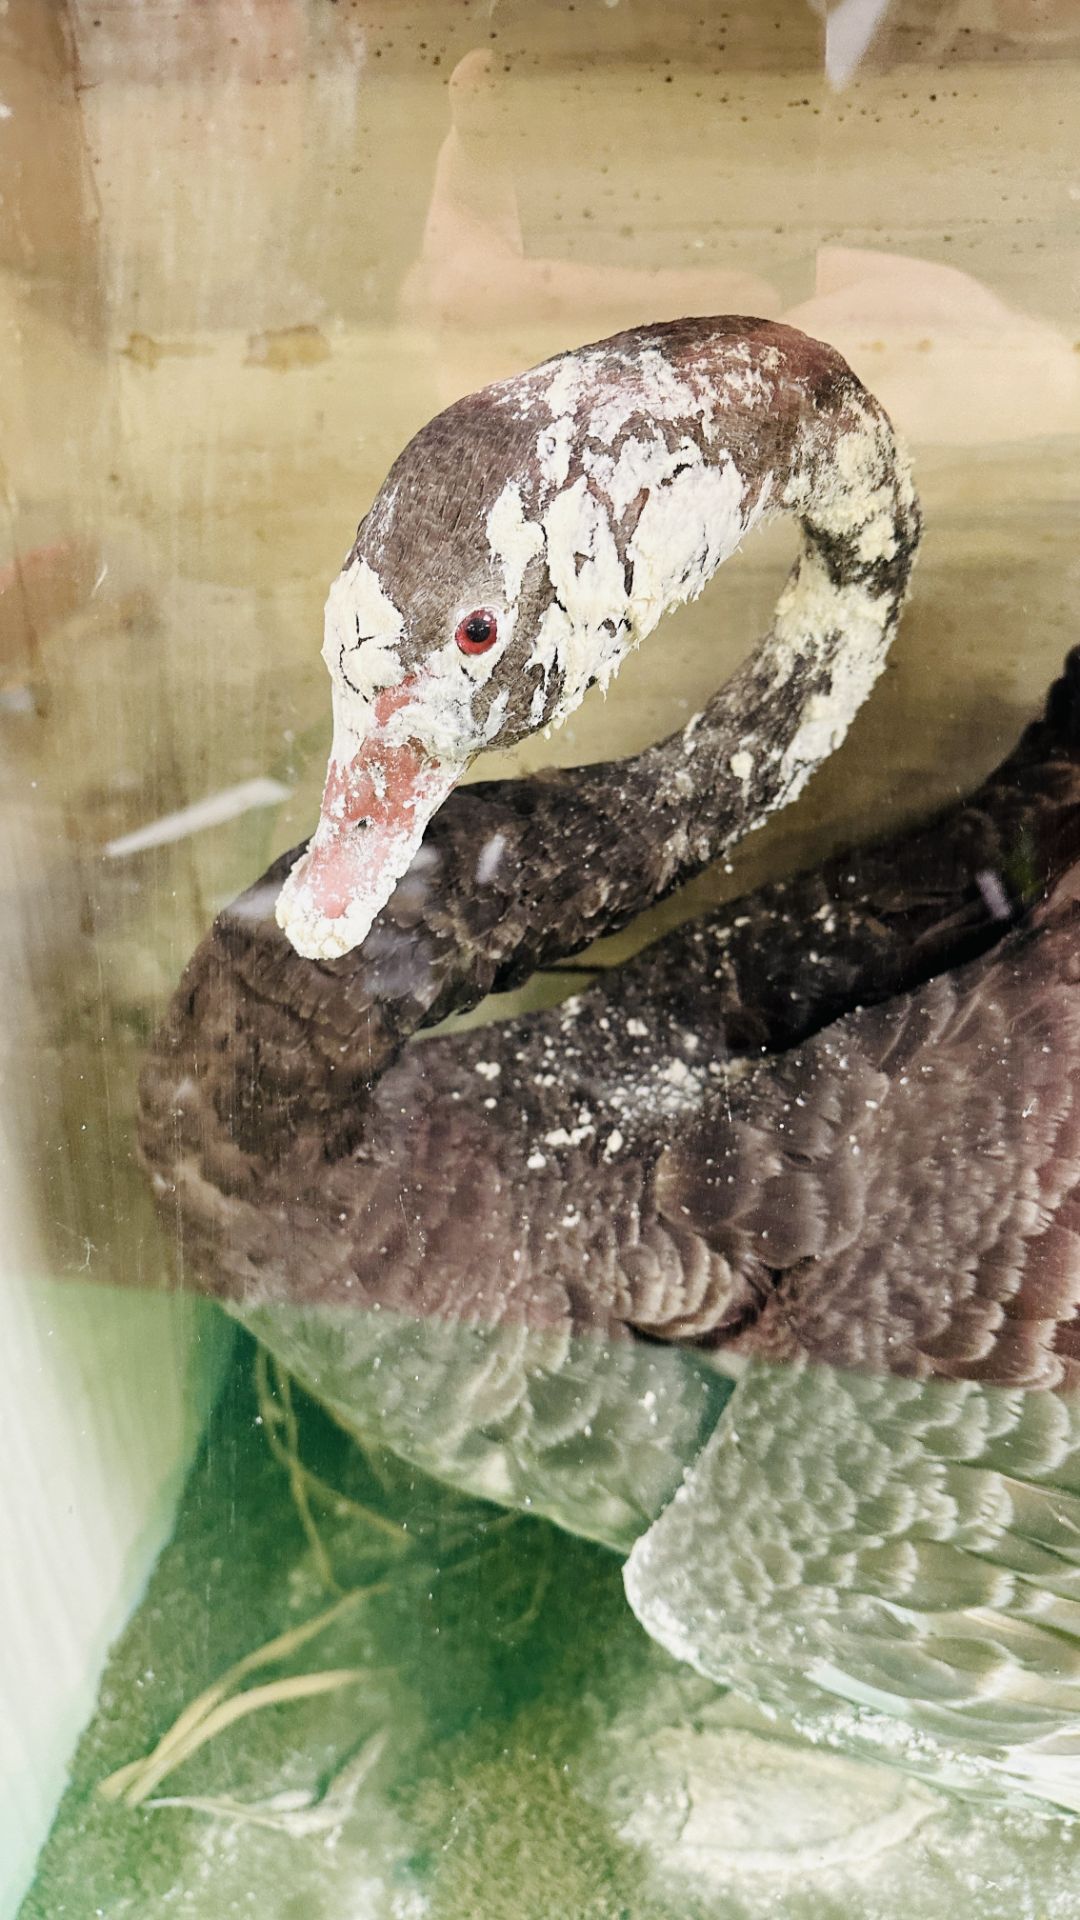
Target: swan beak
(380,793)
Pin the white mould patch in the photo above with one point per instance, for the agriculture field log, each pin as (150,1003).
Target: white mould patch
(361,629)
(865,479)
(439,714)
(651,387)
(812,608)
(496,713)
(565,386)
(587,575)
(569,1136)
(640,466)
(491,853)
(685,530)
(553,450)
(512,539)
(583,560)
(693,518)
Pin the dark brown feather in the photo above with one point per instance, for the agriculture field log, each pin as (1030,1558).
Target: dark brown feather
(868,1151)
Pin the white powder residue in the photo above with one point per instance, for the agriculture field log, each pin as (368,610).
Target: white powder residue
(491,853)
(811,608)
(565,386)
(553,450)
(361,628)
(640,466)
(512,539)
(587,575)
(651,387)
(685,530)
(568,1136)
(496,713)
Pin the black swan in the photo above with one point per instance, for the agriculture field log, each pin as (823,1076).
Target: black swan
(833,1123)
(531,535)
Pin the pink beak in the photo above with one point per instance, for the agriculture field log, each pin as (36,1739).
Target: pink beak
(375,807)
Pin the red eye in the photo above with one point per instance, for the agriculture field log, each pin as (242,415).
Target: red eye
(477,632)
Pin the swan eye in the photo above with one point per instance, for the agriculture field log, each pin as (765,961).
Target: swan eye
(478,632)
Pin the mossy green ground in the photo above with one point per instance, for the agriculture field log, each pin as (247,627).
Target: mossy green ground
(504,1753)
(492,1635)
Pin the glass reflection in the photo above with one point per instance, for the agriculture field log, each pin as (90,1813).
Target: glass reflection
(882,1149)
(227,295)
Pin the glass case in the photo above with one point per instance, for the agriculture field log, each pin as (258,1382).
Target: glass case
(560,1398)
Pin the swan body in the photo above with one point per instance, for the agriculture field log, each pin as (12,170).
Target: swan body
(698,1149)
(628,1261)
(876,1502)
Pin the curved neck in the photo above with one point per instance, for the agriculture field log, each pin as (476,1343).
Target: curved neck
(667,446)
(631,470)
(515,875)
(841,472)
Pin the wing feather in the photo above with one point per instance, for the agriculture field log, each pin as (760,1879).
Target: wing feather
(909,1547)
(903,1191)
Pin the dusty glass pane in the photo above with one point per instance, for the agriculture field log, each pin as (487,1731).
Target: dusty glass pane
(248,250)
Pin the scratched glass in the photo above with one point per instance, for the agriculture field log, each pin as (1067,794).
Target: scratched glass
(622,1460)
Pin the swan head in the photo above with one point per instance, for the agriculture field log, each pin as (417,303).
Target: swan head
(522,543)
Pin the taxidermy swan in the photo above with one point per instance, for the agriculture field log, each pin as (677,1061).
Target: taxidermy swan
(825,1135)
(531,535)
